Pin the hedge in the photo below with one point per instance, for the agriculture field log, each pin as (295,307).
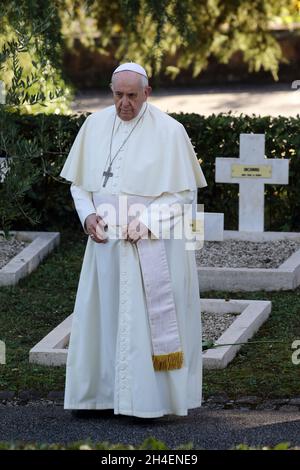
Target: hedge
(212,136)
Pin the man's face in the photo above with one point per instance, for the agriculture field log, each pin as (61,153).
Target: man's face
(129,94)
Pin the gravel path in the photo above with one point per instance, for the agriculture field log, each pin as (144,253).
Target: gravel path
(262,100)
(245,254)
(9,249)
(205,428)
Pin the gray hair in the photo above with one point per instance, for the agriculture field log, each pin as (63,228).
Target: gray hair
(144,80)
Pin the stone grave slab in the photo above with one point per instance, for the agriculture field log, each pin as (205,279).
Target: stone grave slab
(252,314)
(52,351)
(285,277)
(42,243)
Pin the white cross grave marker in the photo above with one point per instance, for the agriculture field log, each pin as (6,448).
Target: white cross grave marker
(252,171)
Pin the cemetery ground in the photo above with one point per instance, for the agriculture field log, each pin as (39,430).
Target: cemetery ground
(254,401)
(263,368)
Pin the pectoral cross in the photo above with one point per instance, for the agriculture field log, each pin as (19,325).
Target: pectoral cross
(107,175)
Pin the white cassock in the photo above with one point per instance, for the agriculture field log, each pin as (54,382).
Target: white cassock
(109,363)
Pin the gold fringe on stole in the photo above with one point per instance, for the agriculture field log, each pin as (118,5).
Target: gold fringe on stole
(168,361)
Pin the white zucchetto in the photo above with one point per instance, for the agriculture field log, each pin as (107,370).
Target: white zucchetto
(131,67)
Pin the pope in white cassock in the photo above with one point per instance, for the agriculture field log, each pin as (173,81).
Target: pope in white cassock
(135,344)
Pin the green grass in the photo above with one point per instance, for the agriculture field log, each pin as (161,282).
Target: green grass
(31,309)
(265,370)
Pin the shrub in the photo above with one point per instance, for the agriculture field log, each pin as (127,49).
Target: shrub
(212,136)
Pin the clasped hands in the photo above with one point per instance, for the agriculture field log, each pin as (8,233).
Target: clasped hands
(97,227)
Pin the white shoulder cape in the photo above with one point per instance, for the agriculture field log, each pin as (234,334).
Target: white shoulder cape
(159,156)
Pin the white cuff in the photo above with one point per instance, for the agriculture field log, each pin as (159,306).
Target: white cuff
(83,201)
